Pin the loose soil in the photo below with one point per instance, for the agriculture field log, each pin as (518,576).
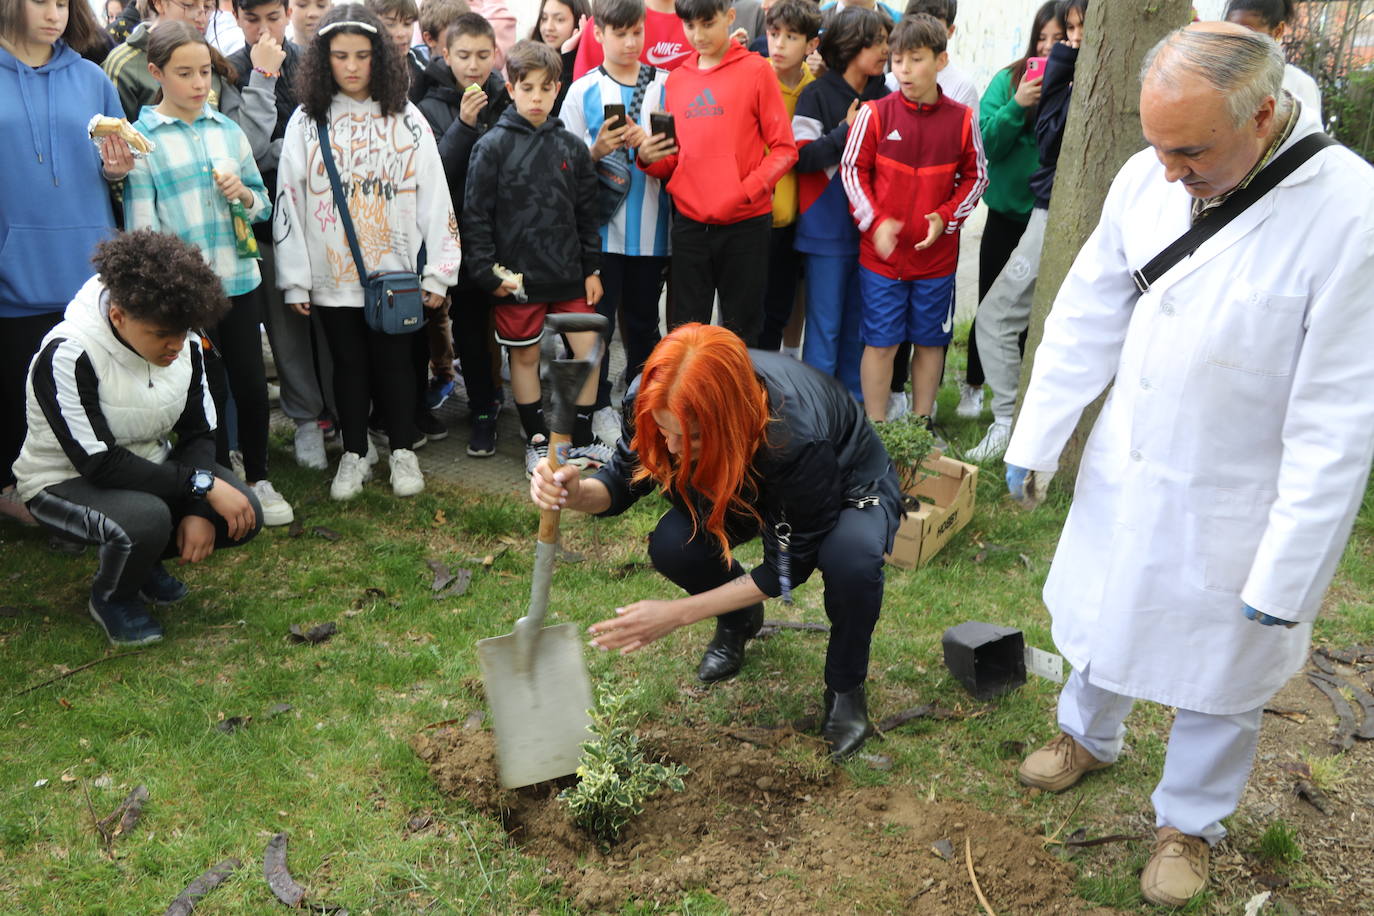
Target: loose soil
(766,829)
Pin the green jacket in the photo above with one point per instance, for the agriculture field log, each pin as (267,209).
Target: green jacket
(1009,144)
(127,68)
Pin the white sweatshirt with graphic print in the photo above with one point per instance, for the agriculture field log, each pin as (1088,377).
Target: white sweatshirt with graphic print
(397,194)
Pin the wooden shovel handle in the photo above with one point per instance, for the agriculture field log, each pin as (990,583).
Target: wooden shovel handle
(549,518)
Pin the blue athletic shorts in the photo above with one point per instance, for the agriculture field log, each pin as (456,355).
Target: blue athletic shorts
(919,311)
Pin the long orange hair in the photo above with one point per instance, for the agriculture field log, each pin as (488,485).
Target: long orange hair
(702,375)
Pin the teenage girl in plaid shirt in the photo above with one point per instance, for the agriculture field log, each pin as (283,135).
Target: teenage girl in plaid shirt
(201,166)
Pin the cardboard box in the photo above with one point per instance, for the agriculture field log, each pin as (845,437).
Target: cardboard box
(952,486)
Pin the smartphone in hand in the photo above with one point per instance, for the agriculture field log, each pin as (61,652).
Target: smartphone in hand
(614,116)
(1035,66)
(661,122)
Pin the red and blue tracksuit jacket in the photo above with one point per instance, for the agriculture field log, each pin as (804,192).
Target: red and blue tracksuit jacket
(904,160)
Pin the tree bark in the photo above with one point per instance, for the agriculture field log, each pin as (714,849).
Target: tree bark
(1103,132)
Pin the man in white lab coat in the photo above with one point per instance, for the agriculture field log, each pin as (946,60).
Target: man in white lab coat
(1220,483)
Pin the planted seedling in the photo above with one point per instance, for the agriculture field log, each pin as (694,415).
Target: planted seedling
(614,778)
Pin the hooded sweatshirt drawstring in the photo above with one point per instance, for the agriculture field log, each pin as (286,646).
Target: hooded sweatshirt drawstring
(27,73)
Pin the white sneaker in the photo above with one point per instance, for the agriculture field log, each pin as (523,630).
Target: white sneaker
(310,446)
(590,457)
(606,425)
(536,449)
(970,401)
(406,479)
(897,405)
(994,443)
(354,471)
(275,510)
(372,456)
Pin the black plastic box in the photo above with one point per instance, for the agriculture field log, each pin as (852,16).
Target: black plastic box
(988,660)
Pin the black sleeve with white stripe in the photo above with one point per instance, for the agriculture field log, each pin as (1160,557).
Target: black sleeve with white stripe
(68,392)
(195,428)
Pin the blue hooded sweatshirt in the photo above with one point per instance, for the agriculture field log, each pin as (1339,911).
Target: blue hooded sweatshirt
(54,201)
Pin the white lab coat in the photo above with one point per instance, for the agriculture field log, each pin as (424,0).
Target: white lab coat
(1231,456)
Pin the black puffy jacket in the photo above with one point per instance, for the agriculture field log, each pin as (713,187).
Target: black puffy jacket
(820,455)
(530,205)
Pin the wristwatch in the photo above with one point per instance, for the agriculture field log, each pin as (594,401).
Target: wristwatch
(201,482)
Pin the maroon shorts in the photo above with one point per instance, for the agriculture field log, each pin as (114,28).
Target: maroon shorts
(521,325)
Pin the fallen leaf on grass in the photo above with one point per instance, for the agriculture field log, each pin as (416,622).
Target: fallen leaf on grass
(881,762)
(1271,880)
(943,848)
(278,709)
(124,818)
(278,878)
(509,541)
(417,824)
(442,575)
(440,518)
(186,901)
(295,530)
(625,569)
(1292,715)
(64,703)
(1312,795)
(1256,903)
(457,585)
(319,633)
(474,720)
(329,534)
(233,724)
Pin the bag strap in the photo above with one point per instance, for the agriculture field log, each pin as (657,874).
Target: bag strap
(327,154)
(1267,179)
(646,76)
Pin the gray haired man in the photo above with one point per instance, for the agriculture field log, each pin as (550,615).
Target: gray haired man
(1220,483)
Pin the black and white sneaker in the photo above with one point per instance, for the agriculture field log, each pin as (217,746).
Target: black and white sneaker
(536,449)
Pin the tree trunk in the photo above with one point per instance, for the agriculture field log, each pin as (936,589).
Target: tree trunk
(1103,132)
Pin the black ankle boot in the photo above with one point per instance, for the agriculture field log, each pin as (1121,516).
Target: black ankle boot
(846,725)
(725,652)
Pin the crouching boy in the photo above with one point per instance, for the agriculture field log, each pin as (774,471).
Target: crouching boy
(112,384)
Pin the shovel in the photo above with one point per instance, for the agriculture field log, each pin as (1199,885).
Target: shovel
(536,678)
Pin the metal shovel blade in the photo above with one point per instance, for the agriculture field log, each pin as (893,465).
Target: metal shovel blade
(540,713)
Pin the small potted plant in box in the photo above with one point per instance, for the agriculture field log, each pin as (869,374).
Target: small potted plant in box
(908,444)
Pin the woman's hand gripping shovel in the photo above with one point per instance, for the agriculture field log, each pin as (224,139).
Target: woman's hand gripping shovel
(536,678)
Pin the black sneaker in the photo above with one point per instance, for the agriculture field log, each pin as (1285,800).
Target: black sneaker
(126,623)
(161,587)
(431,428)
(482,442)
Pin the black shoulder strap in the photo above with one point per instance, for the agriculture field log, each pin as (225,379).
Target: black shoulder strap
(646,76)
(1267,179)
(327,154)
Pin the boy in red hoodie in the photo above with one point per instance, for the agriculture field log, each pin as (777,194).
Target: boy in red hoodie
(734,141)
(913,168)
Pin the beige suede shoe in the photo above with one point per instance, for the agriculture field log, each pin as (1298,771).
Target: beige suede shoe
(1177,869)
(1058,765)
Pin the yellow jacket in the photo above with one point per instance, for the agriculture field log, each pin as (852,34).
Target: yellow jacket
(785,193)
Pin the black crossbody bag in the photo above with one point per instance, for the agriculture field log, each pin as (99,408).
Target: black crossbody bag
(393,302)
(1267,179)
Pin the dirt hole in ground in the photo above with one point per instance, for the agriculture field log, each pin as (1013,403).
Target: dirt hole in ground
(766,830)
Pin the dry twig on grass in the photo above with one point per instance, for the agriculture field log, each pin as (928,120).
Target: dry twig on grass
(186,901)
(68,673)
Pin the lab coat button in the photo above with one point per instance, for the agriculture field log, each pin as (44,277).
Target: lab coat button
(1167,308)
(1135,454)
(1145,384)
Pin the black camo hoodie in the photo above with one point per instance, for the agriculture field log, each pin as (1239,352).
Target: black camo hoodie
(542,183)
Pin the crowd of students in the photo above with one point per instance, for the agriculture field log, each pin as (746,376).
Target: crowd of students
(803,169)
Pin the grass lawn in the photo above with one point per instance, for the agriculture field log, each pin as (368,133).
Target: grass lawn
(335,770)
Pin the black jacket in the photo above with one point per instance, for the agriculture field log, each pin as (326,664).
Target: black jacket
(820,456)
(417,68)
(827,100)
(1056,91)
(530,205)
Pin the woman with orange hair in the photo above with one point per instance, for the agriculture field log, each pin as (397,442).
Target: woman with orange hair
(748,444)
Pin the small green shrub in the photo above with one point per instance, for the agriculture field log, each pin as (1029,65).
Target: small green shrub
(908,444)
(614,779)
(1279,844)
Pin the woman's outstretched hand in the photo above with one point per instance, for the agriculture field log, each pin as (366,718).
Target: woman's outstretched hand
(636,625)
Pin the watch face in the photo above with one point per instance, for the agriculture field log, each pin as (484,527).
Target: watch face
(201,481)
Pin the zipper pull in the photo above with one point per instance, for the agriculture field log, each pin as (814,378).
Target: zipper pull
(783,532)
